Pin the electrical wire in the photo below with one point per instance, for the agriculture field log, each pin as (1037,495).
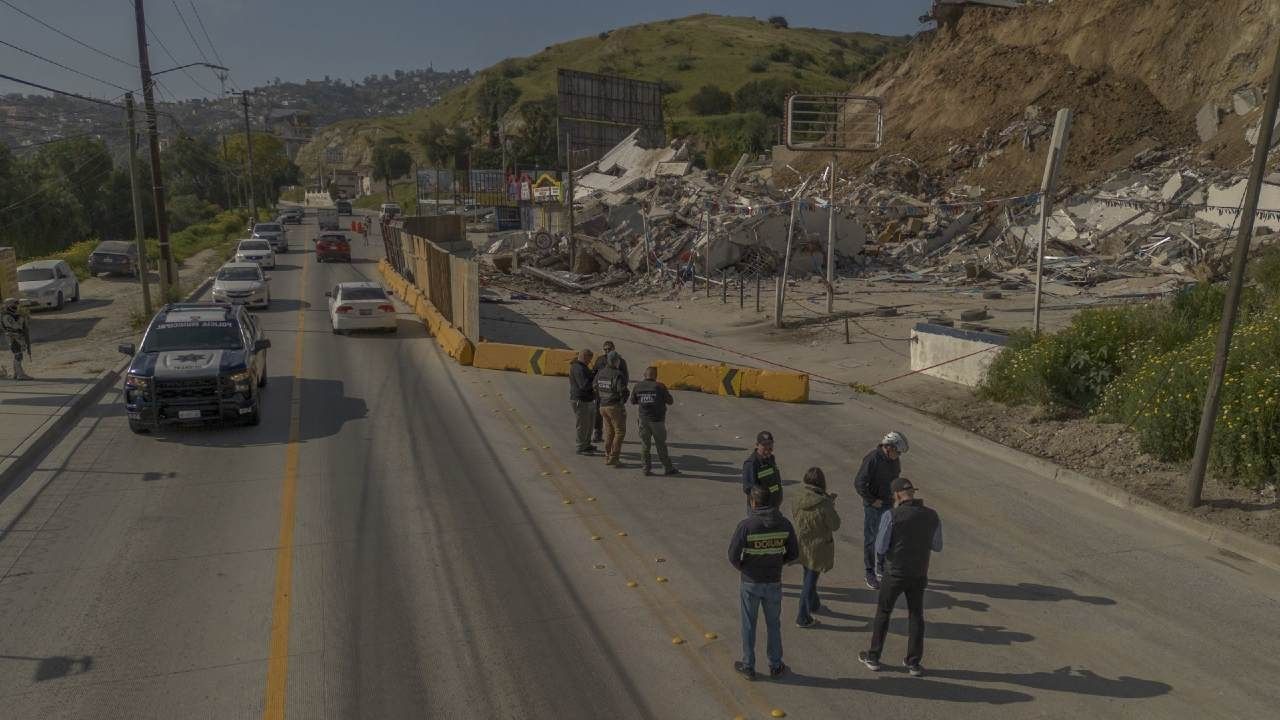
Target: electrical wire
(64,67)
(46,88)
(79,42)
(200,20)
(159,41)
(190,34)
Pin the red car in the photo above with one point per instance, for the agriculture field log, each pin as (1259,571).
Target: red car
(333,246)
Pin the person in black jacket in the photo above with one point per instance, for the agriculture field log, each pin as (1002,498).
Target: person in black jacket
(761,545)
(601,361)
(611,394)
(879,468)
(761,469)
(653,397)
(908,537)
(582,395)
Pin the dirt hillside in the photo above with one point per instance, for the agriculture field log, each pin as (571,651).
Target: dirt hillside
(1135,72)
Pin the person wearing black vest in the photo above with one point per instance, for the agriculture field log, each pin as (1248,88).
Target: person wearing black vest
(582,396)
(909,535)
(652,397)
(602,361)
(878,470)
(611,393)
(761,468)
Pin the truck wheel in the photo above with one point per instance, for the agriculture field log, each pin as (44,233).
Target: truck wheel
(138,428)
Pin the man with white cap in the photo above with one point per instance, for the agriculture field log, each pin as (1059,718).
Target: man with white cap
(879,469)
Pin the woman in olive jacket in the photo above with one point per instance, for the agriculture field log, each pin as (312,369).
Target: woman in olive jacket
(813,512)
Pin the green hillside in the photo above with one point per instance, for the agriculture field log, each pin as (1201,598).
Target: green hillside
(684,55)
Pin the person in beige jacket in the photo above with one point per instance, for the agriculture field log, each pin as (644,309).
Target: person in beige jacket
(813,512)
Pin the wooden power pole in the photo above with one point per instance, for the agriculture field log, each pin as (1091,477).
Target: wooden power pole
(153,138)
(139,230)
(248,151)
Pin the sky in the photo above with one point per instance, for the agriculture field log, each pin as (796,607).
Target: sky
(298,40)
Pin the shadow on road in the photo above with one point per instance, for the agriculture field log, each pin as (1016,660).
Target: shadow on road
(47,329)
(283,305)
(55,667)
(909,687)
(1021,591)
(1079,681)
(502,324)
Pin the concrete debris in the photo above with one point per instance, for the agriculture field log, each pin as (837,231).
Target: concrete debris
(650,218)
(1246,100)
(1207,122)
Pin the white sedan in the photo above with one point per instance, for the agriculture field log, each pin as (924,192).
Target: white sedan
(256,251)
(47,283)
(242,284)
(360,306)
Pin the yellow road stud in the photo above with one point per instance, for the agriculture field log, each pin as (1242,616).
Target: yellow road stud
(677,640)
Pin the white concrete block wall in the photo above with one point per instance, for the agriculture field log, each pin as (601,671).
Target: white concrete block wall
(960,356)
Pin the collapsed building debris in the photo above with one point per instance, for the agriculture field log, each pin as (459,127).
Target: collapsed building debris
(650,217)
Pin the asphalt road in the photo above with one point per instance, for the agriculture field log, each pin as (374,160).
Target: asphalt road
(403,538)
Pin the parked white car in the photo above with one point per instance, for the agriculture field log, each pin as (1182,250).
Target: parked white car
(256,251)
(360,306)
(242,283)
(47,284)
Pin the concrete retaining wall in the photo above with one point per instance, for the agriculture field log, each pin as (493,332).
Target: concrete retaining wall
(523,358)
(961,356)
(448,337)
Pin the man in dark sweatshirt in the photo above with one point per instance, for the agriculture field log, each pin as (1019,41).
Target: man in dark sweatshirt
(908,536)
(761,469)
(879,468)
(602,361)
(652,397)
(762,544)
(582,396)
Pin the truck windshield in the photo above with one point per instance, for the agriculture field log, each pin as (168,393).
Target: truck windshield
(201,335)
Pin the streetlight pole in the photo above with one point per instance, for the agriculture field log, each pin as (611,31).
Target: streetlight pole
(153,137)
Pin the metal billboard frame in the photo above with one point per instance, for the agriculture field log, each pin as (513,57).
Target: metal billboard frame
(823,123)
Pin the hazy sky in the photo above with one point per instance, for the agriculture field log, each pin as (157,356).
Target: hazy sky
(297,40)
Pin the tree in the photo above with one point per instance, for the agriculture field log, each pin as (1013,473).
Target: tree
(390,161)
(767,97)
(434,143)
(272,168)
(494,97)
(779,22)
(711,100)
(538,144)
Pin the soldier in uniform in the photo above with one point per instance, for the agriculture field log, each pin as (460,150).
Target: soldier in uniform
(15,330)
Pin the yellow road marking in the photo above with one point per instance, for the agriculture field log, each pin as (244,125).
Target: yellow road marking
(278,654)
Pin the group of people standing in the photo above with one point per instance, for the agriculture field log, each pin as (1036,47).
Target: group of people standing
(599,393)
(899,536)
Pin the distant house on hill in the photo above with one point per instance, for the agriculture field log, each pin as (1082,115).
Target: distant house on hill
(948,12)
(293,127)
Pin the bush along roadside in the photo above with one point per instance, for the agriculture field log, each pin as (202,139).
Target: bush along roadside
(1147,367)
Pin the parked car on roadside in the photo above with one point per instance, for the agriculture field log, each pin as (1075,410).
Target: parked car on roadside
(333,246)
(273,233)
(390,210)
(197,362)
(242,283)
(256,250)
(114,257)
(360,306)
(47,283)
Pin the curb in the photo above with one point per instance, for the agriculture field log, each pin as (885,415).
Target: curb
(40,445)
(1253,549)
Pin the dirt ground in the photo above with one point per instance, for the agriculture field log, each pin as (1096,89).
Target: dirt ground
(80,340)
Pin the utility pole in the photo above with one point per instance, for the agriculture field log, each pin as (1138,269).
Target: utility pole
(248,150)
(157,178)
(226,176)
(780,292)
(1230,307)
(1061,129)
(568,162)
(831,241)
(139,231)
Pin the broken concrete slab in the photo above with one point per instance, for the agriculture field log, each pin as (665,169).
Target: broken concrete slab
(1246,100)
(1232,197)
(1207,122)
(1173,187)
(1255,131)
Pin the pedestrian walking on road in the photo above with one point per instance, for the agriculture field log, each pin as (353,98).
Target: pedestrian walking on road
(611,393)
(762,544)
(761,469)
(16,332)
(813,512)
(879,469)
(601,361)
(653,397)
(908,536)
(582,396)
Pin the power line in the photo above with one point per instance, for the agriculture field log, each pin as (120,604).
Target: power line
(46,88)
(65,35)
(19,148)
(154,36)
(64,67)
(200,20)
(191,35)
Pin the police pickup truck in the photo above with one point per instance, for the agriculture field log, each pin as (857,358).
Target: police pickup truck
(197,362)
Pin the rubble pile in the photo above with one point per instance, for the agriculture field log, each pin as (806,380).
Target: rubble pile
(648,218)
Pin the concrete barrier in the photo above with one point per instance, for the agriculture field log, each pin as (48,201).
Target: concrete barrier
(733,381)
(450,339)
(523,358)
(961,356)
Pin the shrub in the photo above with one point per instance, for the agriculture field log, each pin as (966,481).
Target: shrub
(758,65)
(840,42)
(684,63)
(767,97)
(779,22)
(1266,272)
(711,100)
(780,53)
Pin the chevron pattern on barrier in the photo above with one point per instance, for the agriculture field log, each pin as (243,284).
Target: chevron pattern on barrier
(731,381)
